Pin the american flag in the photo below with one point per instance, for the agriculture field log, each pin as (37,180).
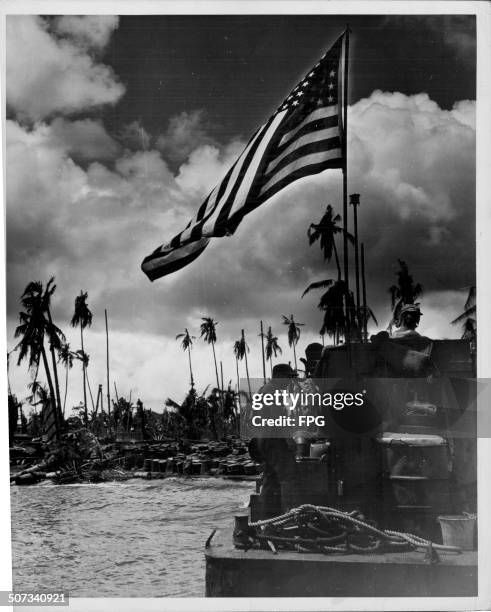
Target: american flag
(303,137)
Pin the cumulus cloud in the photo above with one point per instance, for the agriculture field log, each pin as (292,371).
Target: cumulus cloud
(91,225)
(184,134)
(91,31)
(205,167)
(47,75)
(83,139)
(134,136)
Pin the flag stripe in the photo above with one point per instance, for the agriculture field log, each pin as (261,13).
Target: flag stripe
(312,126)
(305,160)
(331,134)
(216,224)
(252,171)
(305,150)
(175,260)
(319,113)
(306,170)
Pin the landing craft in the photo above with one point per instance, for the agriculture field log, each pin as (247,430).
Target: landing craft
(397,475)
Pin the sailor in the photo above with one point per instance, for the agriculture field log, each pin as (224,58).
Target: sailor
(313,354)
(276,454)
(408,321)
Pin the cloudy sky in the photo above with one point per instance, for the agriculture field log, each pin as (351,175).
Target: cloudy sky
(117,128)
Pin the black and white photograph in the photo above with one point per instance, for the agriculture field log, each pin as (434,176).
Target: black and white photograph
(244,250)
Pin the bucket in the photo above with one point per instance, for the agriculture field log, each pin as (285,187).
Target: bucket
(458,530)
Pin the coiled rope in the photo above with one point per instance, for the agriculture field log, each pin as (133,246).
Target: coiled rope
(310,528)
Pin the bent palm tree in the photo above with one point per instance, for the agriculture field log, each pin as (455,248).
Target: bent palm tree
(293,334)
(82,317)
(66,356)
(186,345)
(272,348)
(208,333)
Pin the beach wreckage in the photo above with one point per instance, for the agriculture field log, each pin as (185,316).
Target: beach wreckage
(80,457)
(379,501)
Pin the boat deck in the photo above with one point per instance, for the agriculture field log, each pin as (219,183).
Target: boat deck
(231,572)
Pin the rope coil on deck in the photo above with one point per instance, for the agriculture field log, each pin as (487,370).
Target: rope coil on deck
(310,528)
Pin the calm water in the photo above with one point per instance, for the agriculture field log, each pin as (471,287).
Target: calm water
(133,539)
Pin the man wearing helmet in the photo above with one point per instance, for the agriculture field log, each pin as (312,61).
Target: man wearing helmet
(408,321)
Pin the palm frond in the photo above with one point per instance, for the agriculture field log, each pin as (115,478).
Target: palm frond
(471,298)
(318,285)
(469,312)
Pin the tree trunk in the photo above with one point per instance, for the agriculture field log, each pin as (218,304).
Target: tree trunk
(86,416)
(237,405)
(66,390)
(262,353)
(247,366)
(90,391)
(271,365)
(216,367)
(190,368)
(294,356)
(107,368)
(337,259)
(238,379)
(51,389)
(55,369)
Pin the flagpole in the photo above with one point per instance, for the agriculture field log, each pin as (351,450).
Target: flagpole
(355,202)
(345,177)
(107,367)
(262,351)
(364,290)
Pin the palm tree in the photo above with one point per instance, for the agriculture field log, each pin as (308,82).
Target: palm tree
(66,356)
(293,334)
(272,348)
(187,345)
(364,316)
(468,318)
(55,336)
(325,231)
(240,350)
(40,395)
(82,317)
(405,292)
(8,369)
(84,358)
(236,355)
(337,303)
(208,333)
(36,324)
